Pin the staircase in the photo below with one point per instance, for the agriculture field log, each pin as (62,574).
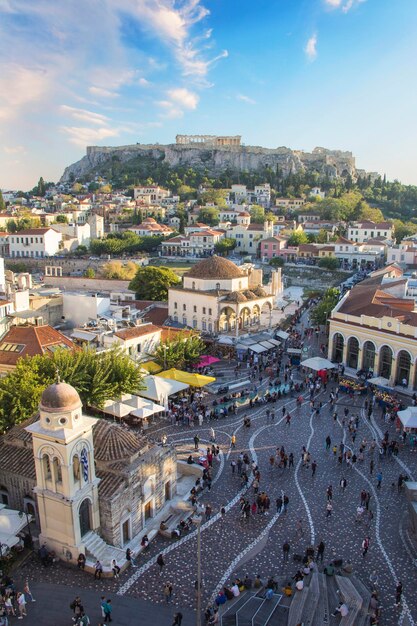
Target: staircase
(96,549)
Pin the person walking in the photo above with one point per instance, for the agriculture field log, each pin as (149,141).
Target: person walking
(196,442)
(177,619)
(115,568)
(299,528)
(233,441)
(365,546)
(313,469)
(98,570)
(320,550)
(27,592)
(285,551)
(286,501)
(379,480)
(107,609)
(233,466)
(21,605)
(343,484)
(398,593)
(129,557)
(168,592)
(160,561)
(329,509)
(328,442)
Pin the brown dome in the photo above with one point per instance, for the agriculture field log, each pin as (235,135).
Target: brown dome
(215,267)
(260,292)
(249,295)
(60,396)
(114,443)
(236,296)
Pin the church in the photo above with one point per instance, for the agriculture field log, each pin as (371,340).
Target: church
(217,296)
(91,485)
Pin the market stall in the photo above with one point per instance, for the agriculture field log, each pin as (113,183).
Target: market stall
(191,379)
(159,389)
(206,360)
(348,385)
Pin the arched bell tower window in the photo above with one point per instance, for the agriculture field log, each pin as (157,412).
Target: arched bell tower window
(76,468)
(57,470)
(46,466)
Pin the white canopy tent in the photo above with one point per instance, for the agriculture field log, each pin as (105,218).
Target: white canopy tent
(379,381)
(11,523)
(408,417)
(159,389)
(317,363)
(118,409)
(144,408)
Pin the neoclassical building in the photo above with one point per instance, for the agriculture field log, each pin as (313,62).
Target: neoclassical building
(374,327)
(90,484)
(218,296)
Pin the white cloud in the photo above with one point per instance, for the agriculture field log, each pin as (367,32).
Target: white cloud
(91,117)
(345,5)
(184,97)
(311,48)
(14,149)
(144,83)
(100,92)
(21,86)
(243,98)
(83,136)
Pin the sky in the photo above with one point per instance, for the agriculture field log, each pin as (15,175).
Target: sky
(298,73)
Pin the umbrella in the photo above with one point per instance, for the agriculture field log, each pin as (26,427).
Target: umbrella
(194,380)
(379,381)
(147,411)
(159,390)
(317,363)
(118,409)
(151,367)
(206,360)
(408,417)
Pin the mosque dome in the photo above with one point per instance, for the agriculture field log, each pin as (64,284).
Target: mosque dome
(215,267)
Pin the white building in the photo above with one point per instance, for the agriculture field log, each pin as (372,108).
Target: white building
(138,341)
(404,253)
(81,233)
(248,236)
(81,308)
(151,194)
(200,243)
(362,231)
(150,227)
(351,254)
(35,243)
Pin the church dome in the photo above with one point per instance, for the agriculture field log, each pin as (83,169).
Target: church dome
(215,267)
(236,296)
(60,397)
(114,443)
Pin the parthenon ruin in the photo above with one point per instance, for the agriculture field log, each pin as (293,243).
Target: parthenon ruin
(210,140)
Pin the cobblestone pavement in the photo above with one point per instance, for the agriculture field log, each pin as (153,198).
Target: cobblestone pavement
(227,539)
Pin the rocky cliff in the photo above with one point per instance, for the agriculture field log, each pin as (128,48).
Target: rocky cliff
(331,163)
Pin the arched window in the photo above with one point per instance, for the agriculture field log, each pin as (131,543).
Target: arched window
(403,368)
(338,345)
(353,353)
(385,361)
(217,286)
(57,470)
(46,466)
(368,356)
(76,468)
(193,285)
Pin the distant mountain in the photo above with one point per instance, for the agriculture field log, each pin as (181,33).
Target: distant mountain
(213,160)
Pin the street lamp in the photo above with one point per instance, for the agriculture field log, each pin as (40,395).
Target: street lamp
(197,520)
(21,514)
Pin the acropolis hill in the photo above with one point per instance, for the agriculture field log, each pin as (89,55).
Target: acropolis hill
(216,154)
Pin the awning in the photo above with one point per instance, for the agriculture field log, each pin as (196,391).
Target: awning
(267,344)
(317,363)
(281,334)
(241,347)
(274,342)
(258,348)
(118,409)
(408,417)
(151,367)
(11,523)
(225,341)
(84,335)
(379,381)
(159,389)
(192,379)
(206,360)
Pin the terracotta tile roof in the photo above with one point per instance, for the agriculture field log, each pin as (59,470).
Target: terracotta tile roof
(115,443)
(157,315)
(370,224)
(31,340)
(110,484)
(17,460)
(169,333)
(343,240)
(140,305)
(137,331)
(34,231)
(255,227)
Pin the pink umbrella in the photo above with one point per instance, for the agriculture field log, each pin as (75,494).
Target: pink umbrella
(207,360)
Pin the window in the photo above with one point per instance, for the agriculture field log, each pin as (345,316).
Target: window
(46,467)
(139,347)
(204,310)
(184,321)
(204,325)
(193,285)
(184,307)
(194,323)
(36,240)
(40,239)
(210,312)
(76,468)
(195,309)
(175,305)
(217,285)
(31,240)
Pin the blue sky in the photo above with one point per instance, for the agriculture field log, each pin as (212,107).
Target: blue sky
(297,73)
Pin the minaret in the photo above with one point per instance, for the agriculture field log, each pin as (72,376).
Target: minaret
(66,483)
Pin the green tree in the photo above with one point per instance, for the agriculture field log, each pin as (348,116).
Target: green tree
(322,236)
(257,214)
(152,283)
(180,352)
(2,202)
(41,187)
(89,273)
(214,196)
(297,238)
(277,261)
(209,215)
(404,229)
(96,376)
(321,312)
(61,219)
(81,250)
(328,262)
(225,245)
(11,226)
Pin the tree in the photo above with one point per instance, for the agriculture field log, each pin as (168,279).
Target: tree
(2,202)
(257,214)
(328,262)
(321,312)
(297,238)
(81,250)
(89,273)
(117,271)
(96,376)
(152,283)
(180,352)
(209,215)
(214,196)
(11,226)
(277,261)
(61,219)
(322,236)
(40,187)
(403,229)
(225,245)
